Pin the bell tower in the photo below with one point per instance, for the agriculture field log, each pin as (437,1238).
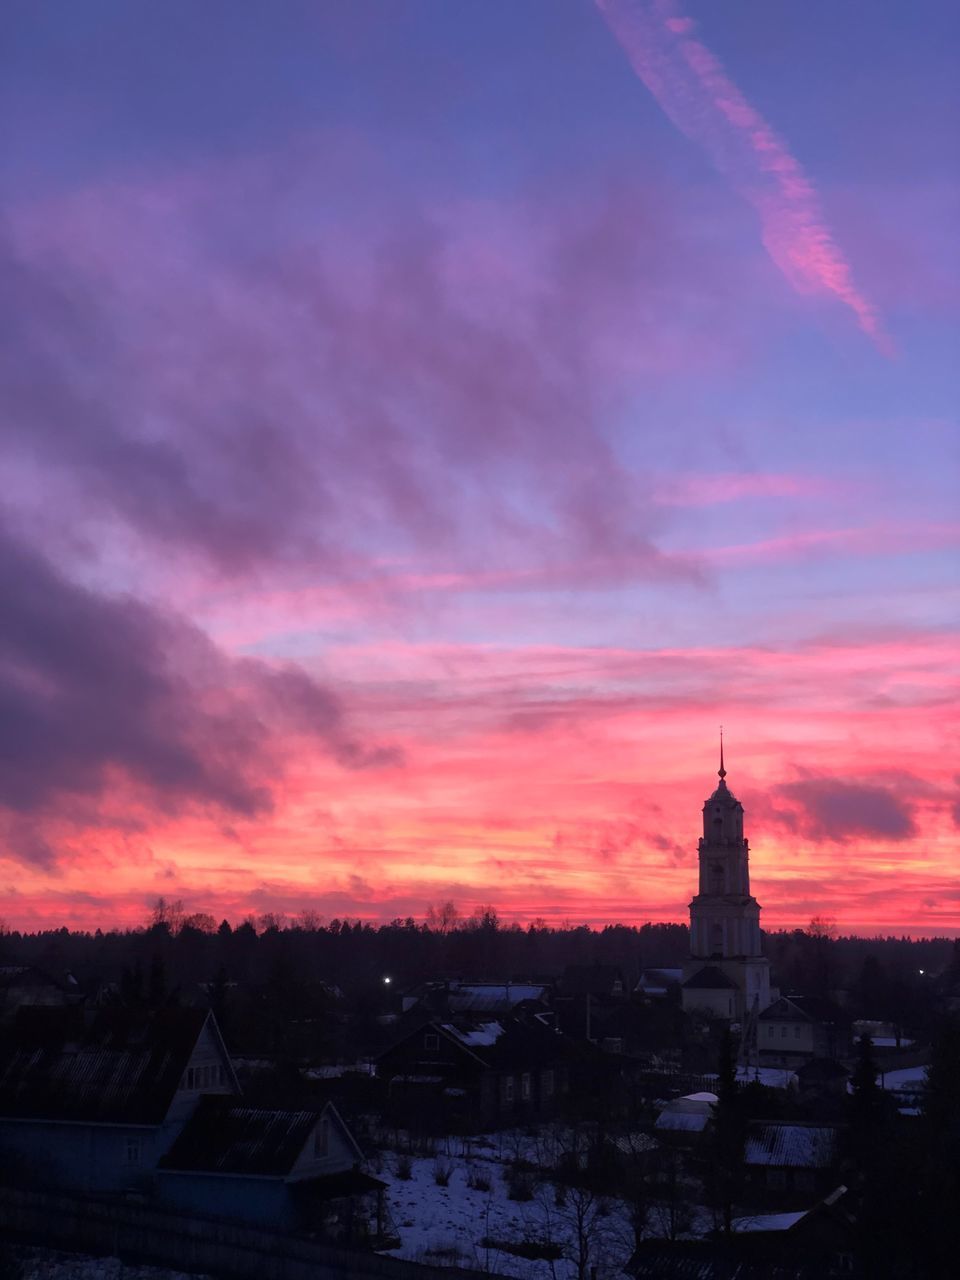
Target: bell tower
(727,971)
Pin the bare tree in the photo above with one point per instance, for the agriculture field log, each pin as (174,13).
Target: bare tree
(443,919)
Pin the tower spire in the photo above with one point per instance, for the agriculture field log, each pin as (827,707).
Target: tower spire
(721,772)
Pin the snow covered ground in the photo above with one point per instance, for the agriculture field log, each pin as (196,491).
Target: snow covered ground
(45,1264)
(480,1226)
(460,1225)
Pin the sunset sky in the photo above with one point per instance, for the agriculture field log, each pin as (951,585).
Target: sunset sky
(423,422)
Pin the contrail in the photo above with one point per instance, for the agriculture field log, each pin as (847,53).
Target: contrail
(693,89)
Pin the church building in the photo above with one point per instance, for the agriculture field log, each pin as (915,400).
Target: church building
(727,974)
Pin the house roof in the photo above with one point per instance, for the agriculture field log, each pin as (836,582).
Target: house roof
(802,1009)
(796,1146)
(224,1137)
(490,997)
(710,978)
(657,981)
(113,1066)
(480,1035)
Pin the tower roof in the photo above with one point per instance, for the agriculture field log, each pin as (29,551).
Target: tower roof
(722,794)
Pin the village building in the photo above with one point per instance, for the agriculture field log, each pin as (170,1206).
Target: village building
(727,975)
(477,1072)
(90,1099)
(797,1029)
(789,1157)
(287,1170)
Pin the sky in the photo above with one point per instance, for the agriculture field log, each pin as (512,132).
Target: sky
(424,422)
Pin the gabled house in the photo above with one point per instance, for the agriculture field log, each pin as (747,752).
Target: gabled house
(657,984)
(287,1170)
(795,1029)
(90,1099)
(26,985)
(477,1072)
(710,993)
(791,1157)
(682,1120)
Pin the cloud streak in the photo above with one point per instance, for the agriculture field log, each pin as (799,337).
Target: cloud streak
(698,96)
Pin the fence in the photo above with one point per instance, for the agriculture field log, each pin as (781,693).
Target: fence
(142,1233)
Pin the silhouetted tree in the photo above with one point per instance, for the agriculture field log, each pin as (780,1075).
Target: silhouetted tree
(726,1138)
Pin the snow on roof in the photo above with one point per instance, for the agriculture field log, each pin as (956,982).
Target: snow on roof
(791,1145)
(699,1097)
(769,1221)
(510,993)
(904,1079)
(484,1033)
(682,1121)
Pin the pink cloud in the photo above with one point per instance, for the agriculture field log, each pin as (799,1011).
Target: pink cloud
(693,89)
(705,489)
(883,538)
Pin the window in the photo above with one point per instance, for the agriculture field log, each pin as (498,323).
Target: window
(783,1032)
(796,1032)
(431,1040)
(525,1086)
(506,1088)
(133,1150)
(546,1084)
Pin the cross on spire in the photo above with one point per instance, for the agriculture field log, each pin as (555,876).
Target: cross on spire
(721,772)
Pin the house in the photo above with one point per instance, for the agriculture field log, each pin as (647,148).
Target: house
(477,1071)
(710,993)
(808,1244)
(25,984)
(795,1029)
(657,984)
(684,1119)
(91,1099)
(791,1157)
(287,1170)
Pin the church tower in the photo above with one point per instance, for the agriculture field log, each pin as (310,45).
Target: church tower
(727,974)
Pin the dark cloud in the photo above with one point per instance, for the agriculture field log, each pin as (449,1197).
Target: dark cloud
(830,809)
(96,690)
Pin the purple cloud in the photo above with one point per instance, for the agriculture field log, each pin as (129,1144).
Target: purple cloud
(830,809)
(97,689)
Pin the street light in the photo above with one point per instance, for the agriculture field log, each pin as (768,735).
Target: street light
(387,981)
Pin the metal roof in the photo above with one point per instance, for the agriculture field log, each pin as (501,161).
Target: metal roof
(118,1066)
(796,1146)
(223,1137)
